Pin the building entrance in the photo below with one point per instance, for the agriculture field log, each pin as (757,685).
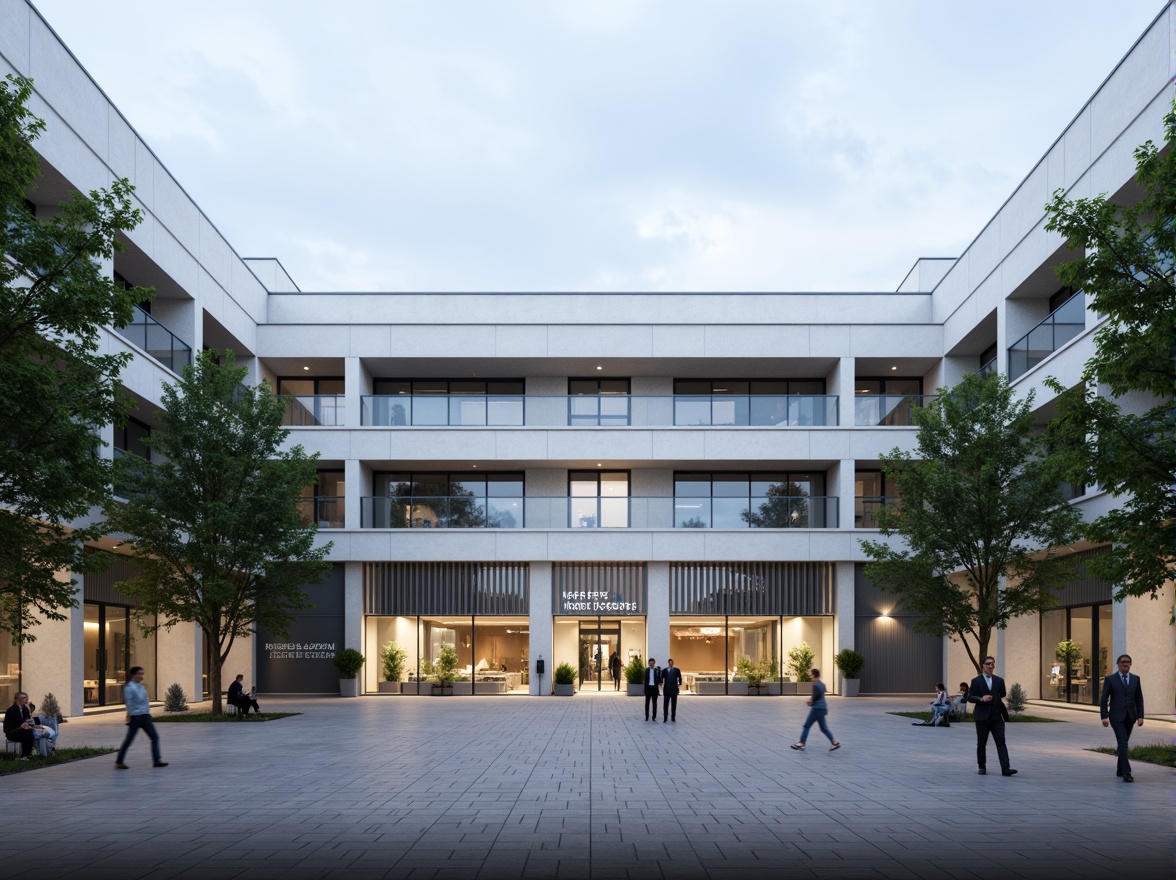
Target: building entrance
(588,645)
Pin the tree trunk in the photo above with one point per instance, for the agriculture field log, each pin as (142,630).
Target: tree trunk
(214,681)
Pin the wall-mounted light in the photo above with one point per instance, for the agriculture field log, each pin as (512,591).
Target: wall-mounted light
(599,367)
(885,615)
(892,369)
(306,369)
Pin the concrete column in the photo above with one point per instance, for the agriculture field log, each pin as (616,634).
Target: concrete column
(48,664)
(843,483)
(353,605)
(1119,632)
(842,384)
(356,383)
(179,657)
(358,482)
(657,612)
(541,626)
(845,620)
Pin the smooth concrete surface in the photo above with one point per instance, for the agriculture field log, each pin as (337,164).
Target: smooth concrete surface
(583,787)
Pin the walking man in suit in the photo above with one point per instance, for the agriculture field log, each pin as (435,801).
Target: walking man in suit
(671,682)
(987,691)
(1121,708)
(653,677)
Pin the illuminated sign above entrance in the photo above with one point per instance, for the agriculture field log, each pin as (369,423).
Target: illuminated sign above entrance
(590,602)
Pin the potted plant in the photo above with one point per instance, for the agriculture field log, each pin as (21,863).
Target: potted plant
(800,661)
(444,674)
(565,680)
(755,674)
(850,662)
(349,661)
(635,676)
(392,657)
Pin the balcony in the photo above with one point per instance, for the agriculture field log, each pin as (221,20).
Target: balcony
(325,511)
(314,410)
(155,339)
(888,410)
(1067,322)
(866,506)
(598,410)
(592,512)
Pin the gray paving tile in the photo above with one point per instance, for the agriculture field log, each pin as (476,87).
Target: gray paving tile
(516,787)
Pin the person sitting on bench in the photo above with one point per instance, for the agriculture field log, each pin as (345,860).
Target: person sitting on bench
(243,701)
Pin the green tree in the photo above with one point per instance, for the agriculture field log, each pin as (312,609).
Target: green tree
(55,385)
(980,513)
(1125,438)
(786,504)
(216,527)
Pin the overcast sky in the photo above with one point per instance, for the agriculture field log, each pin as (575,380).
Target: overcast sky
(572,146)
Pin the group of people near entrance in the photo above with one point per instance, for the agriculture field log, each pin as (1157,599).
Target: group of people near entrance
(670,681)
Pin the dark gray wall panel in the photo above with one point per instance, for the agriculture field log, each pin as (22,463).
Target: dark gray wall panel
(301,663)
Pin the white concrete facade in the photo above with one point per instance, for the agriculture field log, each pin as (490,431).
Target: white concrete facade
(945,315)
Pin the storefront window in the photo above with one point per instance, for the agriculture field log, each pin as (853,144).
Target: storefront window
(9,670)
(501,646)
(1075,648)
(113,642)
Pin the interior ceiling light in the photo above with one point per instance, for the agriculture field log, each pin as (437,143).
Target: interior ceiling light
(306,369)
(892,369)
(599,367)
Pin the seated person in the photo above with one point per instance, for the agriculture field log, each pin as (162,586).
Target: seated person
(960,704)
(243,701)
(18,725)
(940,706)
(44,732)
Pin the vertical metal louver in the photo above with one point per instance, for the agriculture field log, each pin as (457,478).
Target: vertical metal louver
(446,588)
(752,588)
(592,588)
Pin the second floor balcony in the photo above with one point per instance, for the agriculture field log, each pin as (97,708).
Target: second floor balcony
(589,512)
(599,410)
(1062,325)
(155,339)
(889,410)
(325,511)
(308,410)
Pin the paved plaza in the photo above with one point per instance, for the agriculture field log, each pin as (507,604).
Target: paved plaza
(498,787)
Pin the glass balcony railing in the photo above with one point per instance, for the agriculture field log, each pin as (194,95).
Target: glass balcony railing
(866,506)
(1066,322)
(987,368)
(325,511)
(891,410)
(129,466)
(310,410)
(598,410)
(155,339)
(592,512)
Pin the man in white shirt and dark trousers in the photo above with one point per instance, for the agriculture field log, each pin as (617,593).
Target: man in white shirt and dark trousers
(987,691)
(138,716)
(653,677)
(1121,709)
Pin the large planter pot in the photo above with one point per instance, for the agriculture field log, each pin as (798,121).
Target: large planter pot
(463,688)
(737,688)
(388,687)
(409,687)
(635,690)
(804,687)
(773,688)
(710,688)
(565,690)
(851,687)
(787,688)
(757,690)
(491,687)
(440,690)
(349,687)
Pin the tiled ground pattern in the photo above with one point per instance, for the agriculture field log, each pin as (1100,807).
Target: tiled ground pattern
(504,787)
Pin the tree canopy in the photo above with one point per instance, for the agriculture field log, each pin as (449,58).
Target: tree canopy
(56,387)
(980,511)
(1118,425)
(215,523)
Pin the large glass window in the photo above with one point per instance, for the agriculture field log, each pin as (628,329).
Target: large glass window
(323,503)
(458,402)
(602,402)
(871,491)
(740,500)
(313,401)
(713,652)
(9,670)
(760,402)
(112,644)
(598,499)
(448,500)
(1075,648)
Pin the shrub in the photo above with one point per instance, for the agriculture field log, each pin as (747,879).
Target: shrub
(446,664)
(850,662)
(635,670)
(565,673)
(392,656)
(50,708)
(349,661)
(800,661)
(175,700)
(1016,699)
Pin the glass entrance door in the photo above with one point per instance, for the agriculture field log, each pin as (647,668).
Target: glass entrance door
(598,640)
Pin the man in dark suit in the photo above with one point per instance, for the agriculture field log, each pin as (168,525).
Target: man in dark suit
(987,691)
(243,701)
(653,677)
(18,725)
(671,683)
(1121,708)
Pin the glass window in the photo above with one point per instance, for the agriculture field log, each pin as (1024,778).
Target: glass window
(9,670)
